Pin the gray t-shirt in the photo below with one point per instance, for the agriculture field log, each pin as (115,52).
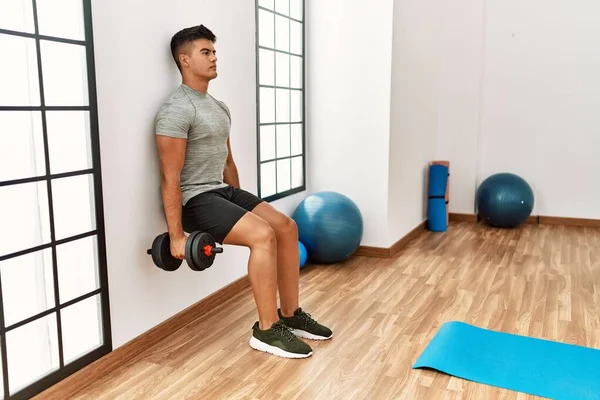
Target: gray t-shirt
(205,122)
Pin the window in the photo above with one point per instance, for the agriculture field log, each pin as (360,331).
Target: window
(280,98)
(54,315)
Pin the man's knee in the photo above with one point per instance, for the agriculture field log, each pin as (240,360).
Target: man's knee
(264,236)
(286,227)
(290,227)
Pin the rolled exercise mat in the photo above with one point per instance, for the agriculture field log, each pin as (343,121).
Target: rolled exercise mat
(447,164)
(437,220)
(520,363)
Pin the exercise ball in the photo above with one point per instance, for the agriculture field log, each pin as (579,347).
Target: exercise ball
(330,226)
(303,255)
(505,200)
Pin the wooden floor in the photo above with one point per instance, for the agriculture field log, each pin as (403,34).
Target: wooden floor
(541,281)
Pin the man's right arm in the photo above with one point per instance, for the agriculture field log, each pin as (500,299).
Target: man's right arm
(172,125)
(172,155)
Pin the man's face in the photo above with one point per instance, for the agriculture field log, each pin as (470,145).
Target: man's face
(201,59)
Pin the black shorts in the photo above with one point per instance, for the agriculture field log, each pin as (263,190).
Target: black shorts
(217,211)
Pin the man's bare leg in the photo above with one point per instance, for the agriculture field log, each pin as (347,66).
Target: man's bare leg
(288,256)
(254,232)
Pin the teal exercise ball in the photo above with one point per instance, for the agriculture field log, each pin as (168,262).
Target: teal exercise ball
(330,225)
(505,200)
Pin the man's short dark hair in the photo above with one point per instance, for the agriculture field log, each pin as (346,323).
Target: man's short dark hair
(187,35)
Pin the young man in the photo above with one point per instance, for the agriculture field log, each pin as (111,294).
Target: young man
(201,192)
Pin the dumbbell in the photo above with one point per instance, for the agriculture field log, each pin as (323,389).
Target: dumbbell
(200,251)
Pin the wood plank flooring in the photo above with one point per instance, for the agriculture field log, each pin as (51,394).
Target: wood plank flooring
(538,280)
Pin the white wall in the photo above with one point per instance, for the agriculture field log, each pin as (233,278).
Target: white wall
(410,95)
(524,73)
(460,49)
(414,109)
(436,81)
(135,73)
(348,105)
(540,104)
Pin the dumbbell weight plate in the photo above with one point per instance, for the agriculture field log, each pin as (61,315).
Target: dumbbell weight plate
(195,261)
(190,251)
(161,253)
(202,260)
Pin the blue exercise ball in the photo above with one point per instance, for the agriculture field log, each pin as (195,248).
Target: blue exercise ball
(505,200)
(303,254)
(330,226)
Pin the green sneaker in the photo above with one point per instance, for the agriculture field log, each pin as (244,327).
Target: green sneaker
(304,326)
(278,340)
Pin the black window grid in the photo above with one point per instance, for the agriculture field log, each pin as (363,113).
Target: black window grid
(63,370)
(302,89)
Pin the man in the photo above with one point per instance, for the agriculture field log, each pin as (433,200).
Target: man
(201,192)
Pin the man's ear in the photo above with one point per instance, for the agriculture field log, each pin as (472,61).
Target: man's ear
(183,60)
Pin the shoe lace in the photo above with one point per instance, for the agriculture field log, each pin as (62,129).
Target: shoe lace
(284,330)
(306,317)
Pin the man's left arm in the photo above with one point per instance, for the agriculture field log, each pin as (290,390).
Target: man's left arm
(230,173)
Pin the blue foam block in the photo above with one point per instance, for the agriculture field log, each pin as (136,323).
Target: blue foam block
(520,363)
(438,180)
(436,215)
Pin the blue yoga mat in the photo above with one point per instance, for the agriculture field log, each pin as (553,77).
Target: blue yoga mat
(524,364)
